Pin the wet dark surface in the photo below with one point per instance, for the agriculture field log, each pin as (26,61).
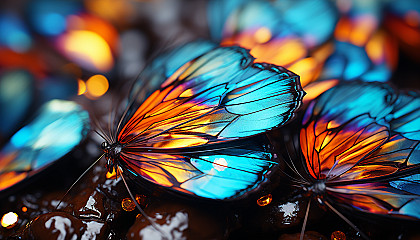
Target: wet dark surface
(93,210)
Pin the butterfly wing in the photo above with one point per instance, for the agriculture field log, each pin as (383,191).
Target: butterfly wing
(349,100)
(387,199)
(406,115)
(221,95)
(331,151)
(164,65)
(390,184)
(366,165)
(57,129)
(223,172)
(241,20)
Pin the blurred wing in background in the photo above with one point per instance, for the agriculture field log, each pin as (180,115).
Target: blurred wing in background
(56,130)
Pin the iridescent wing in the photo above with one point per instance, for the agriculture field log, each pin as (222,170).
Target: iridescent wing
(349,100)
(164,65)
(365,164)
(221,95)
(406,115)
(382,198)
(281,18)
(285,33)
(209,101)
(389,181)
(57,129)
(332,150)
(223,172)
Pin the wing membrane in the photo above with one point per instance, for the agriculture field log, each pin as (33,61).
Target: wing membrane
(219,96)
(379,198)
(331,151)
(220,173)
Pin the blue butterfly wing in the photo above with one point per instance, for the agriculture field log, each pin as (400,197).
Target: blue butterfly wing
(56,130)
(314,21)
(221,173)
(218,11)
(350,62)
(406,115)
(281,18)
(367,166)
(165,64)
(349,100)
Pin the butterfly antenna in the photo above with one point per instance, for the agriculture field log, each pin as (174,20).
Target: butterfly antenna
(98,126)
(103,136)
(78,179)
(305,221)
(364,236)
(109,123)
(149,219)
(293,167)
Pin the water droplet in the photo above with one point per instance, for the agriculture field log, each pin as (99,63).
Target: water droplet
(265,200)
(338,235)
(128,205)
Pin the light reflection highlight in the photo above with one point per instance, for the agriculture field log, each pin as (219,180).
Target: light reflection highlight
(9,220)
(264,200)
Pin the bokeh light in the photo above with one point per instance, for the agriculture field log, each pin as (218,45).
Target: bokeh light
(9,220)
(88,49)
(82,87)
(96,86)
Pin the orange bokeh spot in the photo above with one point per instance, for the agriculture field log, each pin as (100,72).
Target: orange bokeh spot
(262,35)
(357,31)
(96,86)
(280,52)
(82,87)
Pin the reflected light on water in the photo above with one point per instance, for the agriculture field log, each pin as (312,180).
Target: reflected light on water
(9,220)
